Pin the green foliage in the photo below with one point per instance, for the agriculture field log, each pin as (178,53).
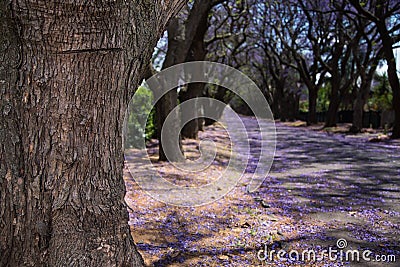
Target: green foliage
(303,107)
(136,126)
(382,96)
(323,98)
(238,105)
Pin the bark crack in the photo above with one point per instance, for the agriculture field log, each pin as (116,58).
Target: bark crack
(90,50)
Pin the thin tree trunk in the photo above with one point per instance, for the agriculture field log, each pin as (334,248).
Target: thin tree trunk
(358,111)
(62,191)
(292,106)
(283,111)
(200,120)
(275,106)
(361,99)
(312,106)
(334,103)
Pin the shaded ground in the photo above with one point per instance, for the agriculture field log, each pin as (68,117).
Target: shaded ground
(321,187)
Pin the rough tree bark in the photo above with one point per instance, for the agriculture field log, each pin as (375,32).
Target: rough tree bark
(67,72)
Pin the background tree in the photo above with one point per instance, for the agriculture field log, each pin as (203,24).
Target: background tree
(226,42)
(197,52)
(336,56)
(324,42)
(181,33)
(367,56)
(384,14)
(306,50)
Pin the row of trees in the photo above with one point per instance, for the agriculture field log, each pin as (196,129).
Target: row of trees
(335,42)
(293,46)
(289,48)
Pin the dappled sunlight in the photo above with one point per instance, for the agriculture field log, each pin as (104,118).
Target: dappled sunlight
(321,188)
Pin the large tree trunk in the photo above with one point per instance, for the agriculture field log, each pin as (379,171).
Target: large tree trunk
(169,101)
(163,108)
(12,186)
(179,43)
(191,128)
(197,52)
(63,99)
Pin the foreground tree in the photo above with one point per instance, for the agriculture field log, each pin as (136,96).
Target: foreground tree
(67,72)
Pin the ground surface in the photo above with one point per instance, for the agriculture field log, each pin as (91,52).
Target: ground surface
(322,187)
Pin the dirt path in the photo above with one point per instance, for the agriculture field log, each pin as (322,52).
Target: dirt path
(321,188)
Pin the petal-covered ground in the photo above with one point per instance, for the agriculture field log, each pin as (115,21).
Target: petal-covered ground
(322,187)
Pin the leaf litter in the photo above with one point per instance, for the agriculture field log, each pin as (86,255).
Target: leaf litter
(290,211)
